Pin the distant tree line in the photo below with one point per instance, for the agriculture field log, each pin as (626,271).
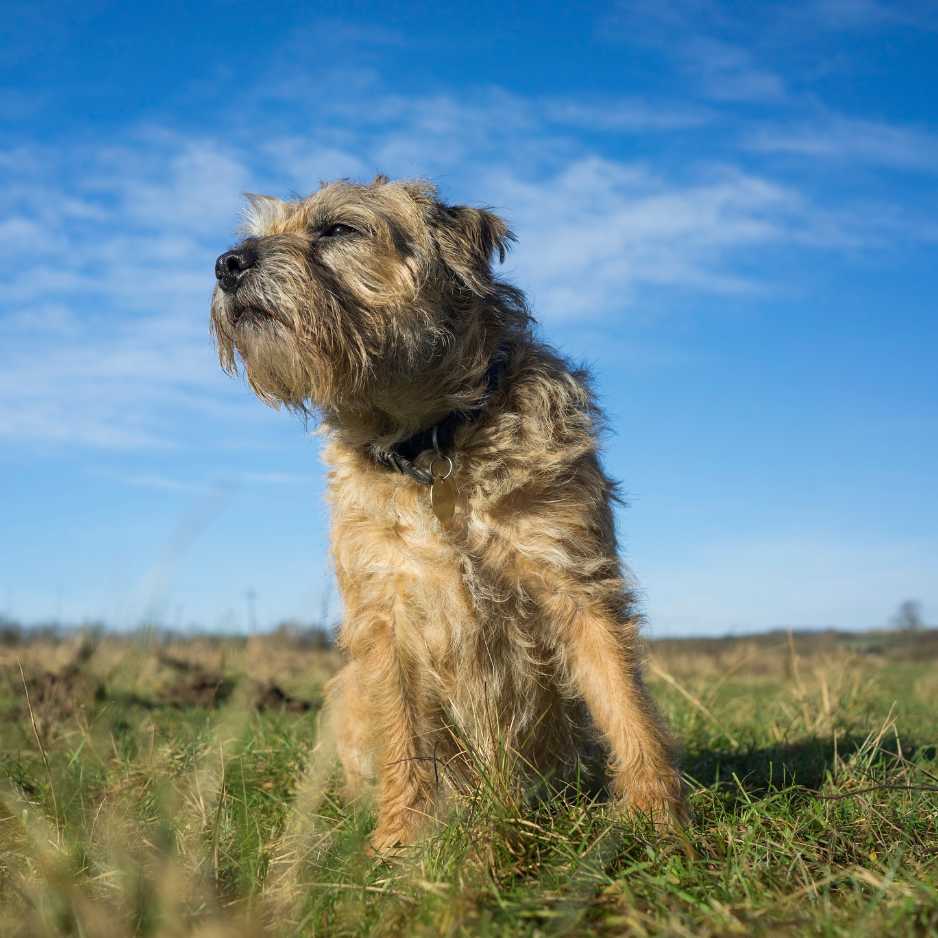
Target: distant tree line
(296,631)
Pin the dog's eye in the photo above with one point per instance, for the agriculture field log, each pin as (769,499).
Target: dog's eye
(337,231)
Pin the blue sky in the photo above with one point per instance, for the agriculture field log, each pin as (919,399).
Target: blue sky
(730,211)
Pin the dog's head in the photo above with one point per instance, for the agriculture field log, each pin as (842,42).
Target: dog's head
(354,291)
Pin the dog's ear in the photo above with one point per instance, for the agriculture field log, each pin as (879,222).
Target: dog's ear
(468,239)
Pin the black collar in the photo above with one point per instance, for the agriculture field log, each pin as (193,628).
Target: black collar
(401,457)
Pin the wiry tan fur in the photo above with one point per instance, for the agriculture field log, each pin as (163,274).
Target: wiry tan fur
(509,629)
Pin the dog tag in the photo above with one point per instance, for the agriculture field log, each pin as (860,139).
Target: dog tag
(443,499)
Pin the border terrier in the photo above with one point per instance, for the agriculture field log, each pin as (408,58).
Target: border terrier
(486,611)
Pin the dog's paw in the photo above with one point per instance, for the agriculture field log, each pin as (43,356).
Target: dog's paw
(661,799)
(391,840)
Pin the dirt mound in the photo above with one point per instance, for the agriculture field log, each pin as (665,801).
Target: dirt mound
(196,686)
(270,696)
(54,696)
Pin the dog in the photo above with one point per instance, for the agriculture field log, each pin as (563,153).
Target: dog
(486,614)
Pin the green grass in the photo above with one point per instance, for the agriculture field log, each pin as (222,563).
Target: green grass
(132,805)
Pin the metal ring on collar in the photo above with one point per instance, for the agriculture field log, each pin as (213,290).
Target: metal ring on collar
(449,467)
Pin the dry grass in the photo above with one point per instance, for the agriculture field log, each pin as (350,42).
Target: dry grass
(175,789)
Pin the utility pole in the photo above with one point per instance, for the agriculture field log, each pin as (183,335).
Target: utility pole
(251,597)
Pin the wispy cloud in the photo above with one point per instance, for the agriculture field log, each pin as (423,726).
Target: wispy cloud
(110,268)
(700,169)
(752,24)
(850,12)
(159,483)
(866,14)
(276,478)
(165,483)
(845,140)
(710,42)
(103,314)
(624,114)
(727,72)
(598,232)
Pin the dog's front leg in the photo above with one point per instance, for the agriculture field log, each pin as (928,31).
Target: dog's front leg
(600,655)
(405,775)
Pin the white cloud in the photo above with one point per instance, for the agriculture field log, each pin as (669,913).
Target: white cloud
(105,309)
(161,483)
(304,164)
(596,233)
(165,182)
(714,44)
(754,24)
(845,140)
(23,235)
(165,483)
(622,114)
(54,419)
(277,478)
(866,14)
(727,72)
(41,320)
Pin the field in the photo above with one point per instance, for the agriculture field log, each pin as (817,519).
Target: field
(171,787)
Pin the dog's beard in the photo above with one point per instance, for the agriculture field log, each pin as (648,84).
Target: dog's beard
(308,343)
(264,344)
(301,353)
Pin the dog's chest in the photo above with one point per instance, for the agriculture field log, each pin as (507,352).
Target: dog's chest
(398,559)
(436,576)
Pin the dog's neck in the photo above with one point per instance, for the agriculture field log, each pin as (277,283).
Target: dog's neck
(438,437)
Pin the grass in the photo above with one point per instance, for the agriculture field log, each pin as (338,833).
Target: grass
(175,789)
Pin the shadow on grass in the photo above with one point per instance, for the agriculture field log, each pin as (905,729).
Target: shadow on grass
(808,763)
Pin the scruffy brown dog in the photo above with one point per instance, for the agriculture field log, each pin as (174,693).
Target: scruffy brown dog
(485,609)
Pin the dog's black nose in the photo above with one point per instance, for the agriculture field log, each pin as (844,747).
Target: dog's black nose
(232,265)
